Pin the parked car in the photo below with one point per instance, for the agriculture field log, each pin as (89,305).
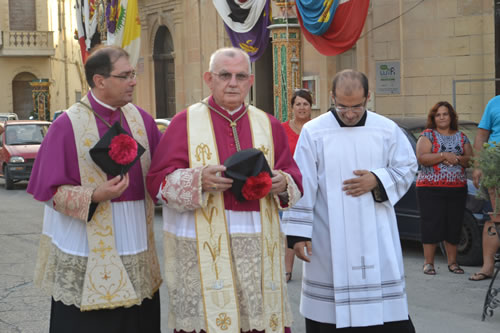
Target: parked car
(8,116)
(19,144)
(162,124)
(408,215)
(57,114)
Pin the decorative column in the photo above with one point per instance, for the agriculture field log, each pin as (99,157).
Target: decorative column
(41,99)
(287,75)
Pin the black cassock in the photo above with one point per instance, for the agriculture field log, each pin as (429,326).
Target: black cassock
(404,326)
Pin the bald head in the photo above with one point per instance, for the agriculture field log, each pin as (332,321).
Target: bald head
(349,81)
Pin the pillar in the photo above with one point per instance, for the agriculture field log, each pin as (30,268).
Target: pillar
(287,70)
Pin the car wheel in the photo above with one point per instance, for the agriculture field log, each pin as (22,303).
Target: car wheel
(9,182)
(469,249)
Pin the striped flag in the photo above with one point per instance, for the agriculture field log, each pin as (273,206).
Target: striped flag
(335,24)
(80,29)
(86,23)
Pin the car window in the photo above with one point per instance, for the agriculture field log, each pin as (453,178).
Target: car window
(416,132)
(469,130)
(26,134)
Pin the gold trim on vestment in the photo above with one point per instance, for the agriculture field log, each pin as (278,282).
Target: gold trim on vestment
(106,284)
(214,253)
(271,244)
(213,242)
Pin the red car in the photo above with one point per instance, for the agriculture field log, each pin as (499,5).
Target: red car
(19,144)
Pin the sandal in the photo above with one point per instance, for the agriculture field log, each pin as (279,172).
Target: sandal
(455,269)
(479,276)
(288,276)
(429,269)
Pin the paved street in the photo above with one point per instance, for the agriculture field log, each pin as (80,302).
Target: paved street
(442,303)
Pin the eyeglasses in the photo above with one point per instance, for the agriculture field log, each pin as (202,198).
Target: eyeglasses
(226,76)
(355,109)
(130,76)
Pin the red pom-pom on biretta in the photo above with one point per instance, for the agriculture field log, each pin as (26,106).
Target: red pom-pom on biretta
(123,149)
(257,187)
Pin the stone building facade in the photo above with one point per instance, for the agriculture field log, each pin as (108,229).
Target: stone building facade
(432,42)
(37,43)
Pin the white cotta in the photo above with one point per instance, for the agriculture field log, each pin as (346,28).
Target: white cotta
(256,7)
(355,277)
(70,234)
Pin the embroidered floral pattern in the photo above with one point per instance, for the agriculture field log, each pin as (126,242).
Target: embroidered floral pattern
(181,190)
(183,283)
(61,275)
(293,193)
(73,201)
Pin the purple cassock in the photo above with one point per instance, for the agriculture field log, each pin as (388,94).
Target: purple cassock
(56,163)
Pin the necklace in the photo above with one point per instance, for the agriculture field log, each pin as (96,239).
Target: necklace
(99,116)
(231,123)
(294,127)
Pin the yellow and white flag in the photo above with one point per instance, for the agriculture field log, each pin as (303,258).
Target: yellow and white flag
(128,29)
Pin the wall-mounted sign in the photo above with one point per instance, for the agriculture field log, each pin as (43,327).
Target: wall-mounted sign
(388,78)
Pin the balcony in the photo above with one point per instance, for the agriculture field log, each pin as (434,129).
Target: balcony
(26,44)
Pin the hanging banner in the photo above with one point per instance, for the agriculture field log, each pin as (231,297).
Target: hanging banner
(240,15)
(124,27)
(80,34)
(255,41)
(317,15)
(344,30)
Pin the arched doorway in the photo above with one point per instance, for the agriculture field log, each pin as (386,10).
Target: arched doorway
(22,96)
(164,73)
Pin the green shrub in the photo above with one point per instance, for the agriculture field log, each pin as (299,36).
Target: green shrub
(488,160)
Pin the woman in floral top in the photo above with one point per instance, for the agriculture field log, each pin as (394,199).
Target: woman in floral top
(444,153)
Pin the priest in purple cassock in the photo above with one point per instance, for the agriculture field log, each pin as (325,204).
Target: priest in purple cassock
(97,256)
(224,258)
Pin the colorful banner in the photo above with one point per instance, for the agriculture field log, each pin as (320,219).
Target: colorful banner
(253,42)
(317,15)
(124,27)
(235,11)
(344,30)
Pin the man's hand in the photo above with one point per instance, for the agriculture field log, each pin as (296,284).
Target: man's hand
(476,177)
(279,183)
(111,189)
(299,250)
(360,185)
(211,181)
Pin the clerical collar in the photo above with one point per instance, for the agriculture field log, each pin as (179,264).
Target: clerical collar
(232,123)
(360,123)
(102,103)
(231,112)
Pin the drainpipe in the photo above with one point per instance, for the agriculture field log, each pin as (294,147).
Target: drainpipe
(401,55)
(62,8)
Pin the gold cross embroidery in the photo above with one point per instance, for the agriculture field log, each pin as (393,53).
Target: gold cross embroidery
(101,249)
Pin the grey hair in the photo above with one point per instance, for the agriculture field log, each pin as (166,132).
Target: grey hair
(230,52)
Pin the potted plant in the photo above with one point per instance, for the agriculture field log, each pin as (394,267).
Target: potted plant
(488,161)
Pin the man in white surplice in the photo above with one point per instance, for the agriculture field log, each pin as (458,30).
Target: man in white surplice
(356,165)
